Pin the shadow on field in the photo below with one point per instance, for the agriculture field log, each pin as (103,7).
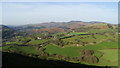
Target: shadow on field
(16,60)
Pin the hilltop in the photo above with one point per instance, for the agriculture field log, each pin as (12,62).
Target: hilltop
(64,26)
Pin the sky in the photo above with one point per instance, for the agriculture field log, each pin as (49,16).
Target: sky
(0,13)
(60,0)
(21,13)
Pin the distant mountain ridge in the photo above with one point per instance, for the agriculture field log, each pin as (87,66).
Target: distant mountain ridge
(61,26)
(55,24)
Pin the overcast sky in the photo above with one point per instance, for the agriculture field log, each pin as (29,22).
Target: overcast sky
(20,13)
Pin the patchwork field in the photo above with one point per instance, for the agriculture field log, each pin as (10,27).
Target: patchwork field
(106,51)
(91,44)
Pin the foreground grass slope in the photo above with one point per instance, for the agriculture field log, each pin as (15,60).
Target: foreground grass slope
(21,61)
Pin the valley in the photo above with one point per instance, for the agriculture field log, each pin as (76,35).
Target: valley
(90,43)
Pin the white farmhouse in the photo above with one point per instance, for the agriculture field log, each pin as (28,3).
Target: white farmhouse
(39,38)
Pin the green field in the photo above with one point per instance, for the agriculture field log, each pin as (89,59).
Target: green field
(77,33)
(36,42)
(91,43)
(99,49)
(67,51)
(71,49)
(22,49)
(110,57)
(71,46)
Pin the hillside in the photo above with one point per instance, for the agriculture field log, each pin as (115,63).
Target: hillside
(34,62)
(69,24)
(66,26)
(87,43)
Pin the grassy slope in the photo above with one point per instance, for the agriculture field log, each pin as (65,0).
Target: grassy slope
(103,45)
(73,51)
(36,42)
(67,51)
(23,49)
(19,61)
(110,57)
